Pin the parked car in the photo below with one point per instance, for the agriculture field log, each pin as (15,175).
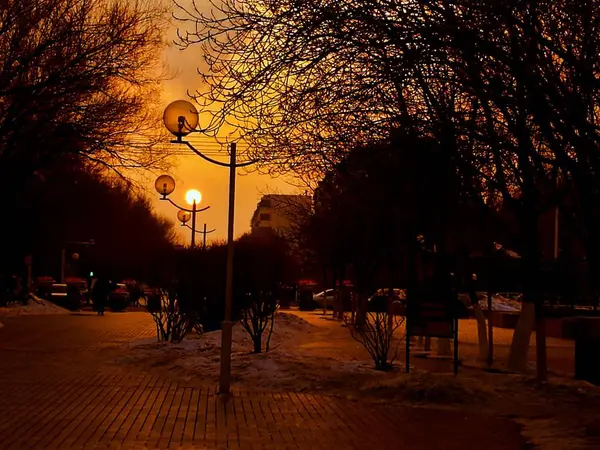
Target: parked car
(306,301)
(66,296)
(79,285)
(323,298)
(136,291)
(58,293)
(379,300)
(43,286)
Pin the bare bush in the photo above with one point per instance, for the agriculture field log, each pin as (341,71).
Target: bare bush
(173,323)
(258,317)
(375,331)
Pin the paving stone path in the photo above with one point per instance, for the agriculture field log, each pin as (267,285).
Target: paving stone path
(59,390)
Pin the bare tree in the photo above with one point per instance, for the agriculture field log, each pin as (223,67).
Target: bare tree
(496,83)
(79,77)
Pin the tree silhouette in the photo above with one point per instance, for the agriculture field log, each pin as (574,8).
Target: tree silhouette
(508,88)
(73,203)
(78,78)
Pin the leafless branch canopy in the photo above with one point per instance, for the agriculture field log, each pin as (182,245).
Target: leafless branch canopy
(305,81)
(80,77)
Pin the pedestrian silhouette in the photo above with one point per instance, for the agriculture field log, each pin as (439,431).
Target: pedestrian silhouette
(100,293)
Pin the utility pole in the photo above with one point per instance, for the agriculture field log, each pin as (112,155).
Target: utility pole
(226,327)
(204,232)
(194,224)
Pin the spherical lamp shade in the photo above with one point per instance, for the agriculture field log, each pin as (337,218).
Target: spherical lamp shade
(184,216)
(164,185)
(193,196)
(75,256)
(180,118)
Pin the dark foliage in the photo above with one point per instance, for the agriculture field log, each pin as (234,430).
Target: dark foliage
(72,204)
(78,78)
(197,277)
(372,207)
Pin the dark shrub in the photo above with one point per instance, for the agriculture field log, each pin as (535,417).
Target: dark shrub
(306,302)
(73,299)
(118,303)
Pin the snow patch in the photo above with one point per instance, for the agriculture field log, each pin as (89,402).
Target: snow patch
(499,302)
(35,306)
(285,366)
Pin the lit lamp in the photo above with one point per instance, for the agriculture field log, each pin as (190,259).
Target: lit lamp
(193,196)
(165,185)
(181,118)
(183,216)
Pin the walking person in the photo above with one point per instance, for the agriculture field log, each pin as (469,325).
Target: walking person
(99,295)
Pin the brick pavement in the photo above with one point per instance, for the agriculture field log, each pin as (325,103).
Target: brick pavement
(58,390)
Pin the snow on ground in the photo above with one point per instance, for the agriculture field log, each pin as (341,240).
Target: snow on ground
(286,366)
(36,306)
(314,353)
(499,302)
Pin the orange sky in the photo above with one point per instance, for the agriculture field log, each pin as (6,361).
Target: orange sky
(193,172)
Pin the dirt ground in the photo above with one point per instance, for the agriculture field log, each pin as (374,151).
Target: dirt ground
(314,353)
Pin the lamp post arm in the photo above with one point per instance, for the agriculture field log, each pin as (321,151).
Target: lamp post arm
(210,160)
(199,231)
(200,154)
(185,209)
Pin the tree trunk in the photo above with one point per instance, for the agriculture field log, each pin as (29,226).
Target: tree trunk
(517,359)
(481,331)
(257,344)
(540,342)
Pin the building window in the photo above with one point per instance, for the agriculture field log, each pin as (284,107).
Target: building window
(265,203)
(265,216)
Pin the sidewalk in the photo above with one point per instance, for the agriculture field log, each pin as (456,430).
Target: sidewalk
(115,411)
(58,391)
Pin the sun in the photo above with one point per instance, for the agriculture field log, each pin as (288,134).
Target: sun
(192,196)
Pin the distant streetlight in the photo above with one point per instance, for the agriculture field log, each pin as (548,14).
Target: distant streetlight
(181,118)
(165,185)
(184,218)
(74,256)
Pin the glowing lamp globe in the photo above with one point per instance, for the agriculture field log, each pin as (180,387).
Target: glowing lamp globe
(75,256)
(193,196)
(180,118)
(164,185)
(184,216)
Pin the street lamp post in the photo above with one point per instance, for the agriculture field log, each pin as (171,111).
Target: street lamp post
(181,118)
(165,185)
(203,231)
